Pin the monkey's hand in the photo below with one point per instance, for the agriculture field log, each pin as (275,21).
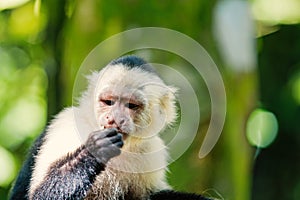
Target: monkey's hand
(105,144)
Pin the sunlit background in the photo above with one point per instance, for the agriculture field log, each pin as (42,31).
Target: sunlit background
(256,45)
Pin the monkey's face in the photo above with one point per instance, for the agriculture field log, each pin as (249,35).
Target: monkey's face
(138,104)
(119,110)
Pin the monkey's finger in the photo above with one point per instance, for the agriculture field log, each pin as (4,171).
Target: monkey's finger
(110,132)
(106,142)
(103,142)
(116,138)
(104,133)
(119,144)
(108,152)
(114,151)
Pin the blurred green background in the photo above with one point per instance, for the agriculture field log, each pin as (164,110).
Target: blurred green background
(43,43)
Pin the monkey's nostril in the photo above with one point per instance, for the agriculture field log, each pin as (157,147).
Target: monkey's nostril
(110,120)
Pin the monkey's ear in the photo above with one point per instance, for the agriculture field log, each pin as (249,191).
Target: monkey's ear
(168,103)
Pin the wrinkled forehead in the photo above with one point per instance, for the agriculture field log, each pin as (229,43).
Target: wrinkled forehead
(119,80)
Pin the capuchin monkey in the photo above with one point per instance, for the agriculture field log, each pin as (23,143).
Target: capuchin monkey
(108,147)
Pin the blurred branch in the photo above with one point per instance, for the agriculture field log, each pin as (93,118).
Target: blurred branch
(54,46)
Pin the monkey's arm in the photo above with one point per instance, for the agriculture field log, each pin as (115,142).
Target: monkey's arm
(174,195)
(72,176)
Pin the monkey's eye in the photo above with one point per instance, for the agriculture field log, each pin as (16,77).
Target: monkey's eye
(107,102)
(132,106)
